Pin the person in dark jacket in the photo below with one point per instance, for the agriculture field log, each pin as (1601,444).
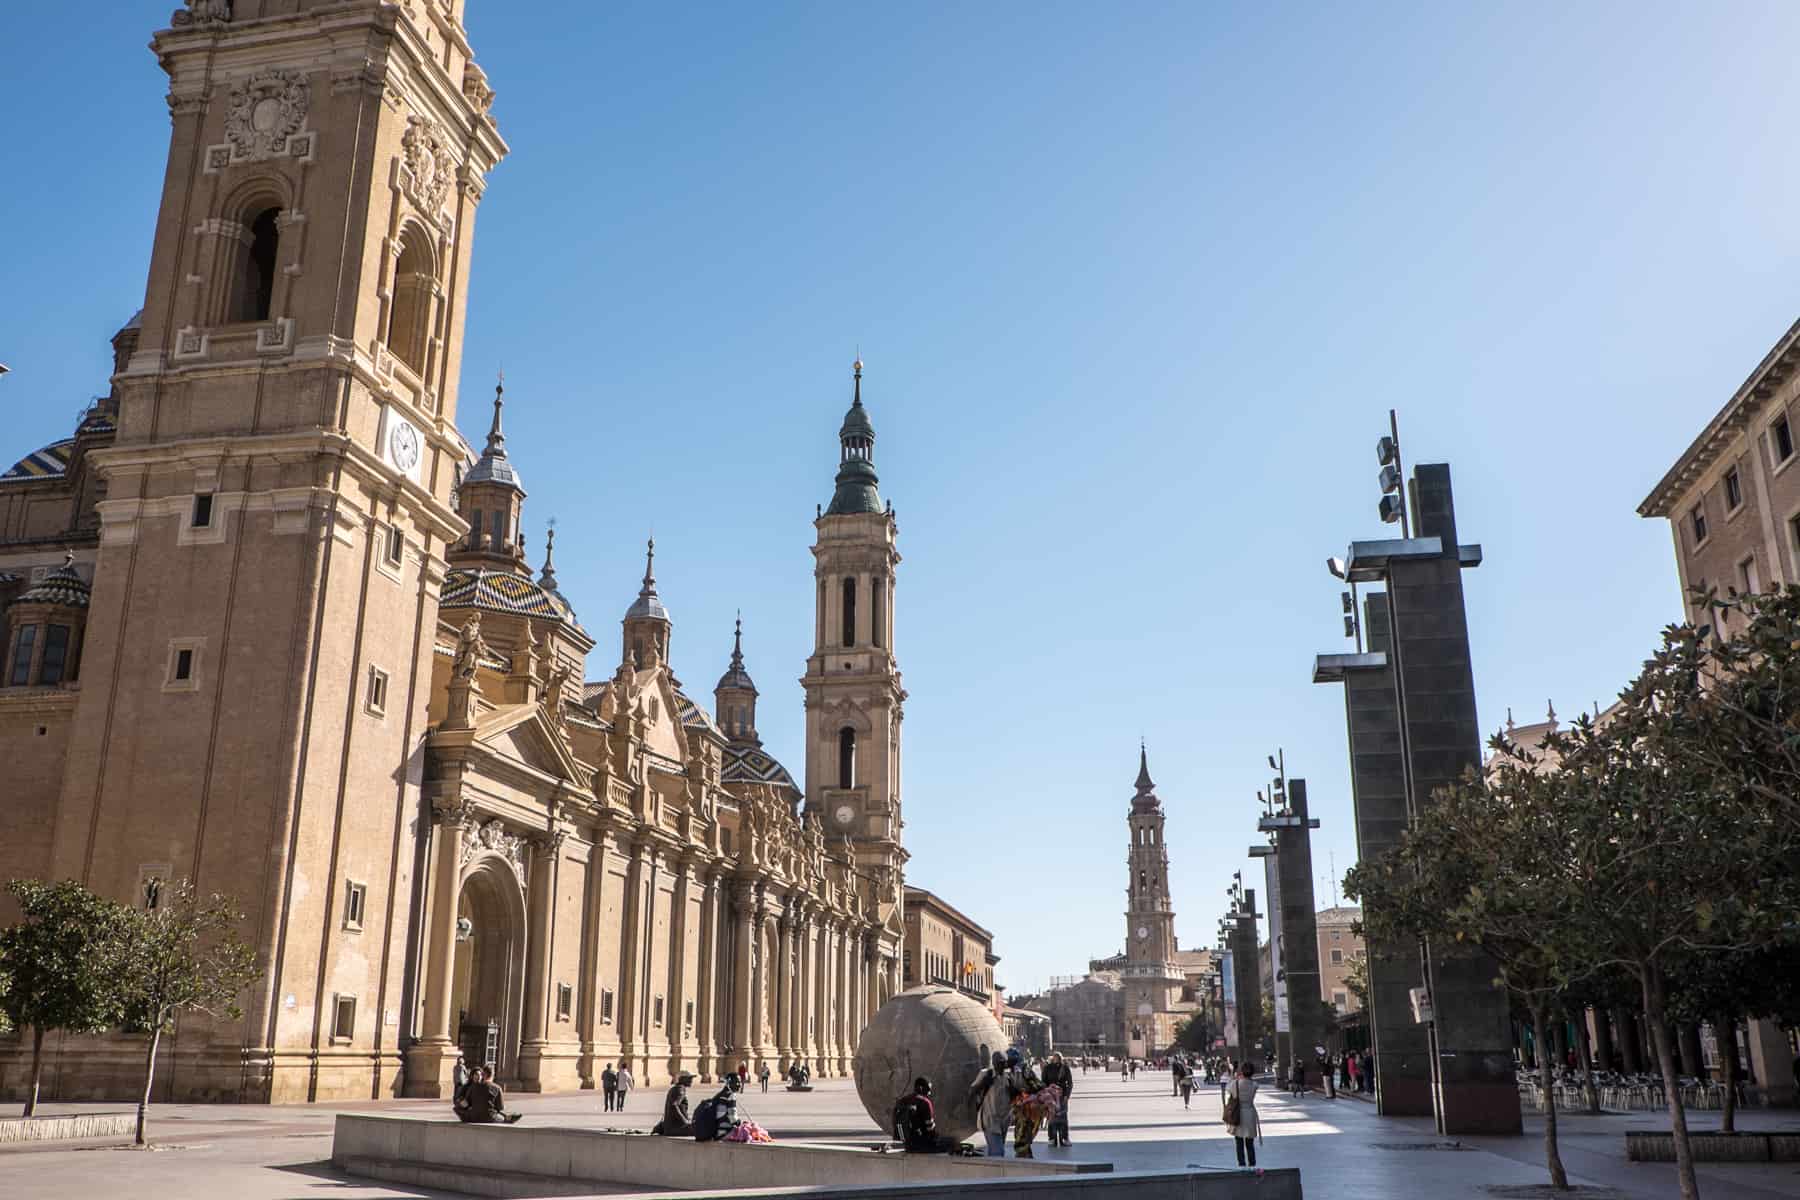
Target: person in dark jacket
(915,1121)
(482,1102)
(676,1121)
(1056,1071)
(609,1081)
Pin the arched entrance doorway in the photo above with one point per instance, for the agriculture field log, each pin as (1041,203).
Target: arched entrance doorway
(489,987)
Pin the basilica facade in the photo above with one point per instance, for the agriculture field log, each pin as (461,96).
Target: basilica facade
(269,626)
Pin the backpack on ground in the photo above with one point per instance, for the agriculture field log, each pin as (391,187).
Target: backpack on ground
(906,1121)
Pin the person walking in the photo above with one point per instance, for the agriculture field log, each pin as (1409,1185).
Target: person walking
(1368,1072)
(1057,1072)
(762,1076)
(1241,1121)
(1175,1074)
(1328,1075)
(609,1083)
(993,1106)
(626,1083)
(1186,1088)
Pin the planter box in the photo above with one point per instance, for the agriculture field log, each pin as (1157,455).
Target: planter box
(1716,1147)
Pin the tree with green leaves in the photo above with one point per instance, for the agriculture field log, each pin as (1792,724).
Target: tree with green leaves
(1725,988)
(184,956)
(1483,867)
(60,965)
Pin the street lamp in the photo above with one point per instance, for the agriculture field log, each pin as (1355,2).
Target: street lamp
(1392,477)
(1352,618)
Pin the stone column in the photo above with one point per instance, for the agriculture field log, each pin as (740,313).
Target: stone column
(631,972)
(680,937)
(446,890)
(743,894)
(1626,1035)
(845,998)
(1770,1061)
(589,1016)
(546,855)
(803,989)
(821,994)
(704,995)
(1601,1029)
(762,1025)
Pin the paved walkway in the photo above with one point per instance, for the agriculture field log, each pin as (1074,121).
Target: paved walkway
(1345,1151)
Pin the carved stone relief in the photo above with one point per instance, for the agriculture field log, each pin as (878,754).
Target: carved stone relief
(430,166)
(266,110)
(493,836)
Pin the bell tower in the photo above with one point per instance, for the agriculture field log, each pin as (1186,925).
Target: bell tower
(853,693)
(1152,980)
(278,504)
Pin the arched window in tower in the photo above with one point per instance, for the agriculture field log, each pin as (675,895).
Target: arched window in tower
(409,319)
(878,611)
(475,528)
(849,610)
(253,291)
(499,528)
(846,757)
(1141,877)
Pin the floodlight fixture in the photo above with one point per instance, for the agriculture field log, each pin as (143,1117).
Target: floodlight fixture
(1391,509)
(1387,452)
(1335,565)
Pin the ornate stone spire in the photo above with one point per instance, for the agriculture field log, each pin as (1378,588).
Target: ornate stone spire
(493,466)
(547,577)
(856,479)
(1144,785)
(647,621)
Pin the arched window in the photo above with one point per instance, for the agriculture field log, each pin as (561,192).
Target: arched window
(849,610)
(499,528)
(878,611)
(846,757)
(409,320)
(475,528)
(254,289)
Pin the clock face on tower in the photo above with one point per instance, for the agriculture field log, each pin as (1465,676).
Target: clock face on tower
(844,814)
(1143,932)
(403,445)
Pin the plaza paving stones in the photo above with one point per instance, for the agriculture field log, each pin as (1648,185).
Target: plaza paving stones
(1346,1151)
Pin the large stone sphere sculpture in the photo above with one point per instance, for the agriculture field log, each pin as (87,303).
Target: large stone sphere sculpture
(936,1032)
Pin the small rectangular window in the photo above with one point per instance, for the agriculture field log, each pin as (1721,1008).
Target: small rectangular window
(343,1018)
(378,688)
(606,1006)
(690,1015)
(1338,999)
(203,508)
(1783,434)
(23,645)
(1337,957)
(184,664)
(1749,581)
(396,545)
(355,896)
(657,1013)
(1734,490)
(1698,517)
(565,1001)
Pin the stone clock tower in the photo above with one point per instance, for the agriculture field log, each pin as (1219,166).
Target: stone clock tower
(1151,977)
(852,681)
(277,503)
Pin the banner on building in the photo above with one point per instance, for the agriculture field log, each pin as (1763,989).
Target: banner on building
(1228,977)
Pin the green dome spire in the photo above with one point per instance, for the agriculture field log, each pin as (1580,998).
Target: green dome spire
(856,477)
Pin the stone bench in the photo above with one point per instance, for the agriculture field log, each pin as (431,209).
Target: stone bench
(67,1127)
(1651,1146)
(500,1160)
(526,1160)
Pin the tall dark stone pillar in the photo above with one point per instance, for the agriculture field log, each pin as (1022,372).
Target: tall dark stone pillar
(1603,1041)
(1299,931)
(1248,970)
(1378,792)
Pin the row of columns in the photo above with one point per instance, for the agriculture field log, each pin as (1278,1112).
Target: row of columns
(777,977)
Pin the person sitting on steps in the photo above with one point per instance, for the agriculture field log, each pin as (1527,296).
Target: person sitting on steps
(675,1121)
(482,1103)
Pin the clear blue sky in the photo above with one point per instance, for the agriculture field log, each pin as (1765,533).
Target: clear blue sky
(1136,286)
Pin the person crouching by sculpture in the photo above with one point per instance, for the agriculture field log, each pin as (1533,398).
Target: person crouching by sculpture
(915,1122)
(482,1103)
(675,1120)
(992,1102)
(1058,1075)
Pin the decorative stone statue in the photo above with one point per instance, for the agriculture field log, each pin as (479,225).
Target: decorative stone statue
(464,691)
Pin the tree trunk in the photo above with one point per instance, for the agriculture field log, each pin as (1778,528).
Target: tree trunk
(149,1078)
(1651,978)
(37,1068)
(1587,1063)
(1559,1179)
(1725,1033)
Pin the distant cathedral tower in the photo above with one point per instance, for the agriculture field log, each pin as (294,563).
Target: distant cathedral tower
(1152,979)
(852,681)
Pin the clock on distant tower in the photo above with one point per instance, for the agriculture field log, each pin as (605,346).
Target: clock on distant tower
(844,814)
(1143,931)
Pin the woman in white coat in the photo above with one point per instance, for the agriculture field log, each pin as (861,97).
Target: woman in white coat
(1247,1128)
